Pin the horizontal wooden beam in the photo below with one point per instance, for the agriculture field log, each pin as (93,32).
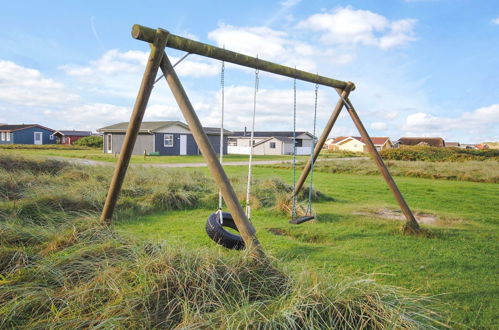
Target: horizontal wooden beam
(191,46)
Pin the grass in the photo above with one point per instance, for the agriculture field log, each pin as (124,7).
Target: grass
(98,155)
(475,171)
(56,262)
(80,152)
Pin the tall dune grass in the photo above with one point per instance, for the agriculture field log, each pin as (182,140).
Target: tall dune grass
(60,269)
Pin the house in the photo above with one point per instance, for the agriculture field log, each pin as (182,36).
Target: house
(357,144)
(26,134)
(420,141)
(270,143)
(69,136)
(166,138)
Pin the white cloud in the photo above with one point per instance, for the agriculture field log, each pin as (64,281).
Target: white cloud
(378,125)
(266,43)
(28,87)
(350,26)
(478,125)
(495,20)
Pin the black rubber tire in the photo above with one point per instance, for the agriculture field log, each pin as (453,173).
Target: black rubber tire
(217,233)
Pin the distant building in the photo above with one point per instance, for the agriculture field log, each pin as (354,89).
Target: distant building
(357,143)
(70,136)
(420,141)
(270,143)
(26,134)
(168,138)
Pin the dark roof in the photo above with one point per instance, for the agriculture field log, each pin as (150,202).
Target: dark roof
(12,128)
(74,133)
(413,141)
(153,126)
(269,133)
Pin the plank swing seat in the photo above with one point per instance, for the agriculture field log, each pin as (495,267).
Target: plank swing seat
(300,220)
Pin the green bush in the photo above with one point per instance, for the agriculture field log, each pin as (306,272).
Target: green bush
(436,154)
(94,141)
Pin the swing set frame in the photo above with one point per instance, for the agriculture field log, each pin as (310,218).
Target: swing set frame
(159,39)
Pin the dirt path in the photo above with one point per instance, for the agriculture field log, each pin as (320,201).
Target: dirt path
(81,161)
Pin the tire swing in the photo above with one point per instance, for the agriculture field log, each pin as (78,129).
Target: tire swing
(218,220)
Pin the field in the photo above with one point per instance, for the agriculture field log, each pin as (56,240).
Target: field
(47,204)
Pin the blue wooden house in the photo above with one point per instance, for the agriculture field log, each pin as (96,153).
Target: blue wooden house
(26,134)
(166,138)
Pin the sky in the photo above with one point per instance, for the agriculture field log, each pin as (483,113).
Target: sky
(421,67)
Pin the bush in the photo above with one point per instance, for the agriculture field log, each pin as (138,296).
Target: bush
(93,141)
(435,154)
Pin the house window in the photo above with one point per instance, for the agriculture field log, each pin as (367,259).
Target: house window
(8,136)
(272,145)
(3,136)
(233,142)
(168,140)
(109,143)
(51,138)
(299,142)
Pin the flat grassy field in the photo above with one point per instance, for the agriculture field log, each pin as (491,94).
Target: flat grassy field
(458,263)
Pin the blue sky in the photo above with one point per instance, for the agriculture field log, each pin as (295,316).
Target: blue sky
(422,68)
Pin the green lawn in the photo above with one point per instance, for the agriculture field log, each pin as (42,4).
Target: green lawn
(459,263)
(98,155)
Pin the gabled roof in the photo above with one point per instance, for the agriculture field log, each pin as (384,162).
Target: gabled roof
(275,134)
(73,133)
(377,141)
(153,126)
(431,141)
(280,138)
(13,128)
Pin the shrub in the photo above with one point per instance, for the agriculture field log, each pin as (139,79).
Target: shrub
(93,141)
(435,154)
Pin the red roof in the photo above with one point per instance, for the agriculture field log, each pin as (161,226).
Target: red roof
(376,140)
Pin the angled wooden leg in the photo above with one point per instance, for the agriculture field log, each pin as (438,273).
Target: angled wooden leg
(322,139)
(411,223)
(244,226)
(157,49)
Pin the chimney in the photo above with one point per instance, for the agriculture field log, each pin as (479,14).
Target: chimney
(244,131)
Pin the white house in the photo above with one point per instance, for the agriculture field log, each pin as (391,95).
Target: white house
(270,143)
(357,144)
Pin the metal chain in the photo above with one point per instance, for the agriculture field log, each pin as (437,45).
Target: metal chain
(221,155)
(248,188)
(293,212)
(312,162)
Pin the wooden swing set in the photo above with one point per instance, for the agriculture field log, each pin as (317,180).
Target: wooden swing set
(159,39)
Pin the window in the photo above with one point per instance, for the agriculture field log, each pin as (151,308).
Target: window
(8,136)
(168,139)
(3,136)
(299,142)
(233,142)
(51,138)
(109,143)
(272,145)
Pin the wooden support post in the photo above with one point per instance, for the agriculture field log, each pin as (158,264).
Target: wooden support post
(157,50)
(322,139)
(411,224)
(244,226)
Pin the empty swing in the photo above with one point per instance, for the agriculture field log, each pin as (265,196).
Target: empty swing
(218,220)
(308,214)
